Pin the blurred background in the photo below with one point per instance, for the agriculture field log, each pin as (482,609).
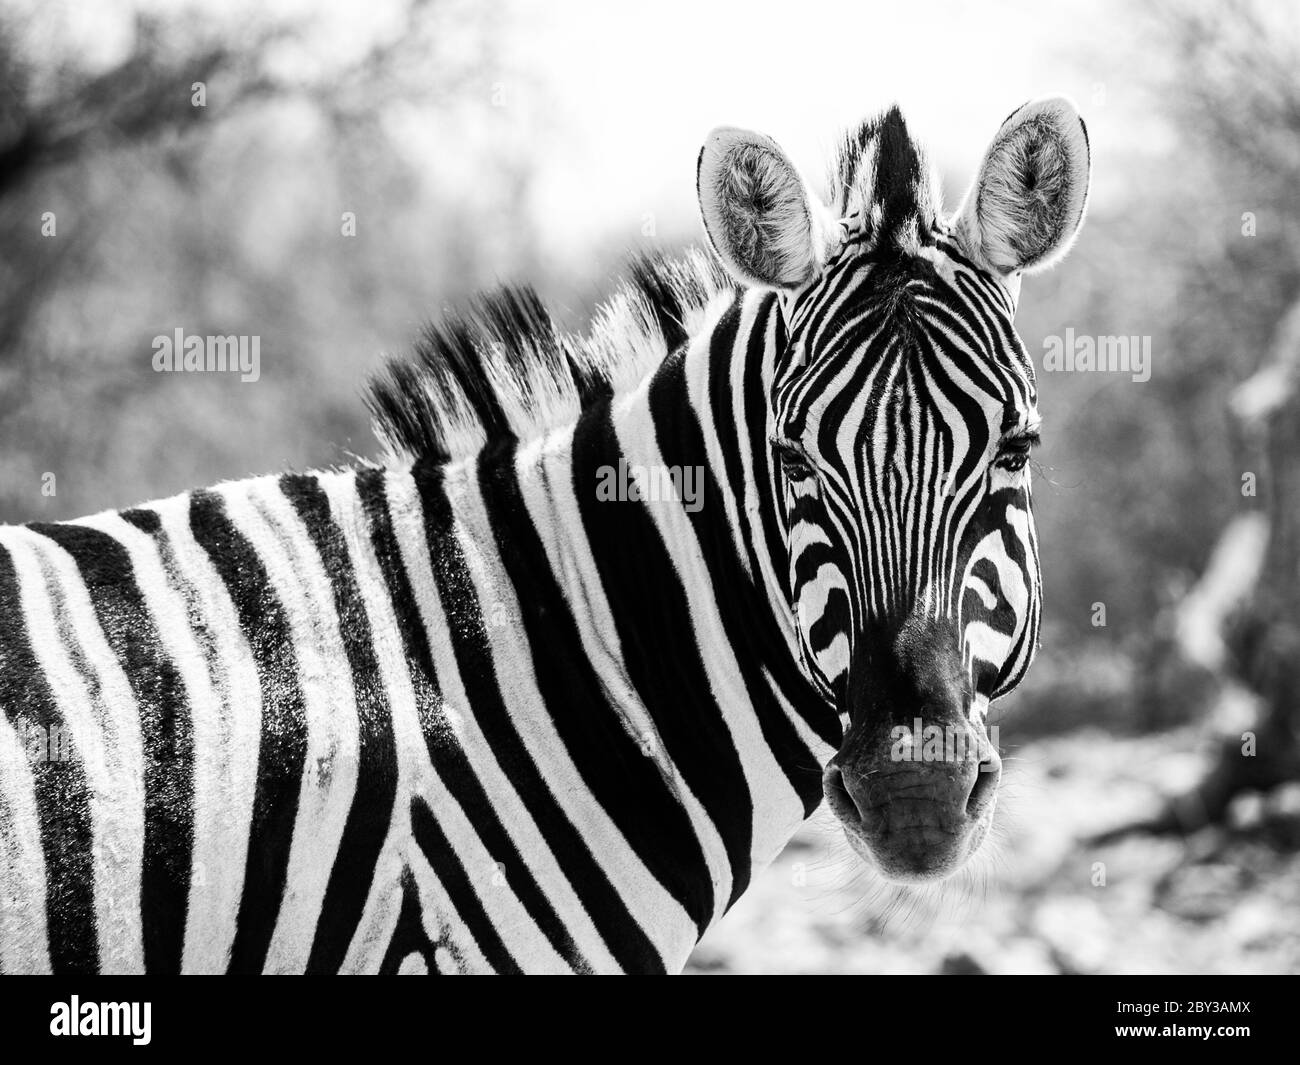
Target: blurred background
(171,165)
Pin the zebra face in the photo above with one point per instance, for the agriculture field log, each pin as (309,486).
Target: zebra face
(902,409)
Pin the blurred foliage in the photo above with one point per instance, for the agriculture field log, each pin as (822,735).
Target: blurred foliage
(227,219)
(1139,479)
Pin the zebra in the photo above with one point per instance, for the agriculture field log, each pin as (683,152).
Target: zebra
(472,709)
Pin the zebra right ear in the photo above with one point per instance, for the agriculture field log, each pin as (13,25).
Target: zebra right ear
(766,225)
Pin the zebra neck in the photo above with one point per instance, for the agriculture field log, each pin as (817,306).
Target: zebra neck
(646,628)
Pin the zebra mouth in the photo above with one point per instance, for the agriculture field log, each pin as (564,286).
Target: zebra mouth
(914,821)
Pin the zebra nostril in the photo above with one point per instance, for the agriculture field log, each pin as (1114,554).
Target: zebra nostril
(984,789)
(837,795)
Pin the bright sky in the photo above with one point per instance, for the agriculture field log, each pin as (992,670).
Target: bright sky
(627,91)
(631,91)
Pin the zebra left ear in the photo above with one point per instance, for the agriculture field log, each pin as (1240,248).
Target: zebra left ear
(1027,203)
(766,225)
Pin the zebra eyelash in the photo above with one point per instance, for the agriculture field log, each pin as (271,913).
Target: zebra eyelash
(1014,450)
(793,458)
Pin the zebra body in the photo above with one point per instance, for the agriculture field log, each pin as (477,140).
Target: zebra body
(463,713)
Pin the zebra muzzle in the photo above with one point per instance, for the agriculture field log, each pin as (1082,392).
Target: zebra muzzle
(916,806)
(915,818)
(915,781)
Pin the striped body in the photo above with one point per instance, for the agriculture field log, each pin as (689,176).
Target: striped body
(462,717)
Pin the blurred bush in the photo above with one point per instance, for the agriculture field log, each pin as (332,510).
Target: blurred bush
(1202,255)
(225,219)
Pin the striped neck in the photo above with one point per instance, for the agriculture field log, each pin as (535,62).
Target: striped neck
(470,716)
(658,631)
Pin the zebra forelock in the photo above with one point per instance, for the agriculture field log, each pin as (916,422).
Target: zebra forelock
(883,187)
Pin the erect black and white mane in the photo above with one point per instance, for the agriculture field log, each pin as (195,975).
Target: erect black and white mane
(505,368)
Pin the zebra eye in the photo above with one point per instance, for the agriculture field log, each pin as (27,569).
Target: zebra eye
(795,461)
(1014,451)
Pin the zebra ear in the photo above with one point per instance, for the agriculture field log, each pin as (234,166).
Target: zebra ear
(1027,203)
(766,225)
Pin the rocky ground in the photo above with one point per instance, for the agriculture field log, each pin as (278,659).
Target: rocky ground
(1041,900)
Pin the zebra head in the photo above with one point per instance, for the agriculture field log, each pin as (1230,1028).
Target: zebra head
(901,410)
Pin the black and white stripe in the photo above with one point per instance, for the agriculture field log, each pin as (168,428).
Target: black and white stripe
(302,706)
(919,499)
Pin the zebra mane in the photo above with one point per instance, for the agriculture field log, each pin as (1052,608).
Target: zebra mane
(882,183)
(504,368)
